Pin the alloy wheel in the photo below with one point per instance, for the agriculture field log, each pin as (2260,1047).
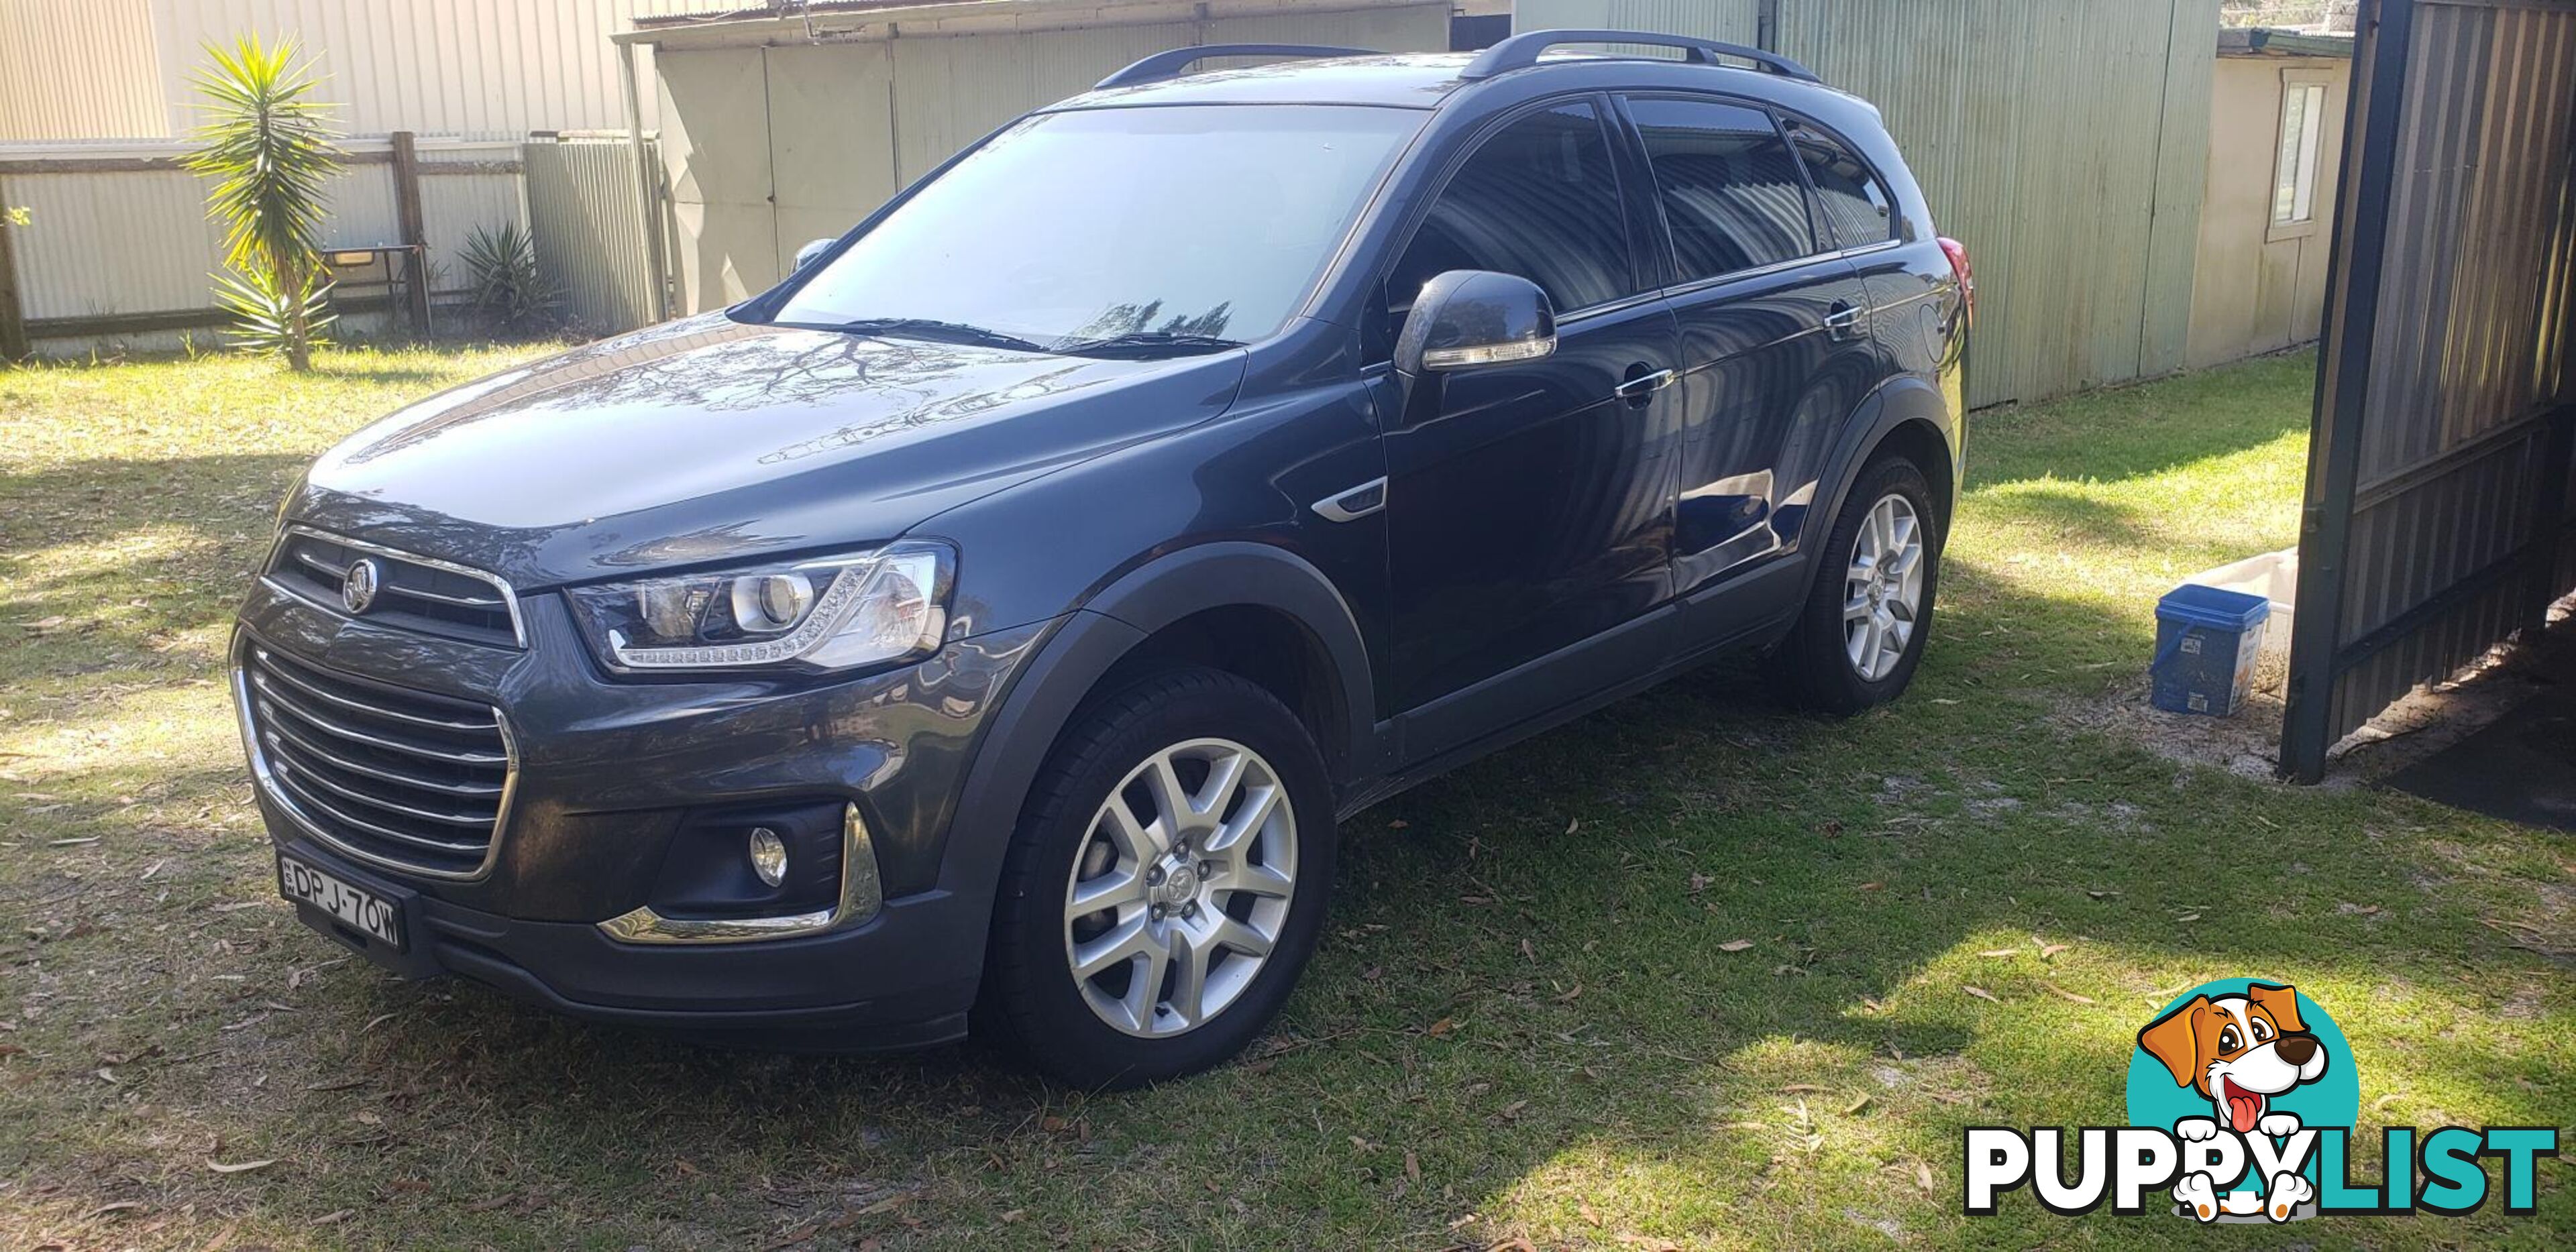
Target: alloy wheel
(1883,588)
(1181,887)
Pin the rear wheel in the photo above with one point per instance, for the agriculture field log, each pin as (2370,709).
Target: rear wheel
(1166,884)
(1861,635)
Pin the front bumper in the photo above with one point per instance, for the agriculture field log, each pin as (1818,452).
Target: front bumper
(865,987)
(607,773)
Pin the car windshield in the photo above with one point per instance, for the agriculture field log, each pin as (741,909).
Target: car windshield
(1173,228)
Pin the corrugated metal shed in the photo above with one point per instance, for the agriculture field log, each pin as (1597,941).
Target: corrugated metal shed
(2438,472)
(1735,21)
(779,131)
(2062,140)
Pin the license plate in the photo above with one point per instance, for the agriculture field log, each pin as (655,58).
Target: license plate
(355,907)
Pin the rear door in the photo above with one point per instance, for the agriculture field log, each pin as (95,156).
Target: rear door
(1774,330)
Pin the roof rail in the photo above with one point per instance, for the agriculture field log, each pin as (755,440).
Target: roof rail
(1522,51)
(1164,65)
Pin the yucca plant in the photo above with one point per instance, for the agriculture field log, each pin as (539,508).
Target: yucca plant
(268,145)
(507,283)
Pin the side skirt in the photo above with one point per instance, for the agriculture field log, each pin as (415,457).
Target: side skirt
(1745,613)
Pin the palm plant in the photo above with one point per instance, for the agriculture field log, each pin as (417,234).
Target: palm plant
(508,285)
(267,145)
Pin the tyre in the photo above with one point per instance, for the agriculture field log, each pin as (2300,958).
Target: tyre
(1165,886)
(1861,634)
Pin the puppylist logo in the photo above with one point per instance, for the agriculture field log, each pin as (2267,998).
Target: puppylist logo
(2242,1099)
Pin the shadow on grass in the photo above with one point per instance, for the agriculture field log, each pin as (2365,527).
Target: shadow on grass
(1644,967)
(1527,994)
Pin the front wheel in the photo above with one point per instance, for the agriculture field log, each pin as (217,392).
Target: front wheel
(1166,885)
(1861,635)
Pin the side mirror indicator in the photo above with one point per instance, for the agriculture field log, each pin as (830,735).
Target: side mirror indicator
(1467,318)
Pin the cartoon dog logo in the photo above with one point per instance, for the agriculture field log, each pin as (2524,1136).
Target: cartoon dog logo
(2238,1052)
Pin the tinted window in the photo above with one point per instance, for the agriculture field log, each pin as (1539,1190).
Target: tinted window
(1540,200)
(1729,187)
(1211,220)
(1855,203)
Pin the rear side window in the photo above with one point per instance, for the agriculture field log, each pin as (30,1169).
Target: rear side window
(1855,202)
(1728,184)
(1540,199)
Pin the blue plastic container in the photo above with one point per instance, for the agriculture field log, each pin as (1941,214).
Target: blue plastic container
(2207,641)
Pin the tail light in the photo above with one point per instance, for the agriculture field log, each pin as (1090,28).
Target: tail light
(1964,272)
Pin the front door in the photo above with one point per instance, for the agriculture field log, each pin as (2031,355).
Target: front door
(1529,504)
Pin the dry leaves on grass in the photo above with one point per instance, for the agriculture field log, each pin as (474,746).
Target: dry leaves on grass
(1735,945)
(1980,992)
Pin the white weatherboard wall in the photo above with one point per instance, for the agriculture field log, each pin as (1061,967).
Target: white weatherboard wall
(119,69)
(769,140)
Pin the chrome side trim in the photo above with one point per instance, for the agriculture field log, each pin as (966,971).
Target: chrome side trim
(509,597)
(1353,503)
(269,784)
(862,895)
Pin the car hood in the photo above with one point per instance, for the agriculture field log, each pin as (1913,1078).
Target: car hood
(708,440)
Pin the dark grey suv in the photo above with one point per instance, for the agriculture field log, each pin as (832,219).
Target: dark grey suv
(992,621)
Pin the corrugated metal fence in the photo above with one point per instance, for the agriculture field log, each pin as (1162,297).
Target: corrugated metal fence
(118,247)
(2438,473)
(119,251)
(589,235)
(2062,140)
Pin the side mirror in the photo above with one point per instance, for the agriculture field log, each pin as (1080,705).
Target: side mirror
(1467,318)
(805,255)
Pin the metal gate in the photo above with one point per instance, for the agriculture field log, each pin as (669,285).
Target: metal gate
(2438,470)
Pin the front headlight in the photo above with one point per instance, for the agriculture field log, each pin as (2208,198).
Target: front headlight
(835,613)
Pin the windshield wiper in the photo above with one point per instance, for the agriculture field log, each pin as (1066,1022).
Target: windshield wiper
(934,329)
(1148,343)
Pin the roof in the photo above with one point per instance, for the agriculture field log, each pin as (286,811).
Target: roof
(2269,41)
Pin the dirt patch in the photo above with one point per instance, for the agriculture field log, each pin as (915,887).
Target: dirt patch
(2425,721)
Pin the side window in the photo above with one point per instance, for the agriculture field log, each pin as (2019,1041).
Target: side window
(1729,187)
(1856,204)
(1540,199)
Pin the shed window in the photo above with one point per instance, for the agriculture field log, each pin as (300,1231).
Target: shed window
(2294,176)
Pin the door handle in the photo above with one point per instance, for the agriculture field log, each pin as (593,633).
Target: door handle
(1641,387)
(1841,320)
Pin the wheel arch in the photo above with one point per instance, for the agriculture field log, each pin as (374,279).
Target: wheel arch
(1909,415)
(1174,608)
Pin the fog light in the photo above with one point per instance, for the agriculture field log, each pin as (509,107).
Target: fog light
(768,856)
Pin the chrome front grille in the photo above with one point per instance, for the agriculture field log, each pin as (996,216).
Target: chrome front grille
(400,778)
(411,592)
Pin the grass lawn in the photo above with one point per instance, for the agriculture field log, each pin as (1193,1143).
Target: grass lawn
(1531,1019)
